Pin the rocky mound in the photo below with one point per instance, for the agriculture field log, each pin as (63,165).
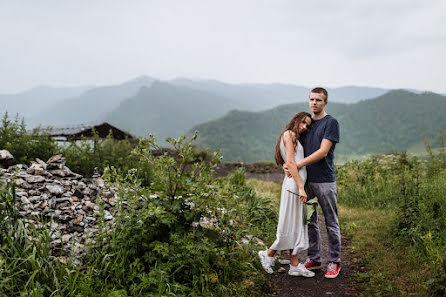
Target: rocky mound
(49,194)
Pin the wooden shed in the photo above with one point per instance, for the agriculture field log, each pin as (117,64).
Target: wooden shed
(86,131)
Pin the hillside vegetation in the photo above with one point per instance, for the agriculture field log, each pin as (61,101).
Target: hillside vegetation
(167,110)
(397,120)
(83,105)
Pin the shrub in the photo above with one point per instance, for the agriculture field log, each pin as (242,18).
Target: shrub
(416,190)
(25,145)
(87,154)
(180,235)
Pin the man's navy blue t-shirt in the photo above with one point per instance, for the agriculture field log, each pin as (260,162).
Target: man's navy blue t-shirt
(325,128)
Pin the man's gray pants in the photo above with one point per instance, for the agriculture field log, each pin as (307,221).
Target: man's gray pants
(326,194)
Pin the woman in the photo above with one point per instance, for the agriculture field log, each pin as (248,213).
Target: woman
(292,233)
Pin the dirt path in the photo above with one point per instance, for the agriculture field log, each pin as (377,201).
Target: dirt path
(287,286)
(283,285)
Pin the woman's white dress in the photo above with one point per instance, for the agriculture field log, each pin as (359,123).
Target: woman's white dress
(292,233)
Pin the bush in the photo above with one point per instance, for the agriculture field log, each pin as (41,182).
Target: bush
(416,190)
(23,145)
(380,181)
(85,155)
(180,235)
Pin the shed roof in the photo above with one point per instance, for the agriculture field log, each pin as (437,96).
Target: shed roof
(77,132)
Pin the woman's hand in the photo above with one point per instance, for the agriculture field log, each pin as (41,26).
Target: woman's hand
(286,169)
(302,195)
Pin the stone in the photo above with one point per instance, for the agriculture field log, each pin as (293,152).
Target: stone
(41,163)
(58,172)
(81,185)
(21,193)
(27,186)
(24,200)
(7,159)
(35,179)
(54,159)
(67,194)
(78,219)
(107,194)
(52,203)
(63,260)
(56,189)
(54,243)
(35,169)
(66,237)
(107,215)
(19,182)
(33,192)
(88,192)
(78,194)
(99,182)
(52,196)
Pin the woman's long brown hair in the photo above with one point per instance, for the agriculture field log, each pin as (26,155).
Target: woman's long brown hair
(293,125)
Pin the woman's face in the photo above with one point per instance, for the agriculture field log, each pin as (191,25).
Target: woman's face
(304,125)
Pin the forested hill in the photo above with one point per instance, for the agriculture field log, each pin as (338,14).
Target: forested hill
(166,110)
(397,120)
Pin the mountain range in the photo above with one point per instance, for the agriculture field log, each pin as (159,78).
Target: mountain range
(228,115)
(36,100)
(46,105)
(398,120)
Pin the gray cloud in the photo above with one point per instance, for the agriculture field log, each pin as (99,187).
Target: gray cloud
(380,43)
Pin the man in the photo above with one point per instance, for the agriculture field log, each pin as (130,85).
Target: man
(319,143)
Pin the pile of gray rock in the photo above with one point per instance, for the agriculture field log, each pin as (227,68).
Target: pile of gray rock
(50,195)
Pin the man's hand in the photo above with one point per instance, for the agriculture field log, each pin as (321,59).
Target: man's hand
(286,170)
(299,165)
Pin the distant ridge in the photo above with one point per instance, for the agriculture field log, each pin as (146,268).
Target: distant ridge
(34,101)
(166,110)
(91,105)
(396,120)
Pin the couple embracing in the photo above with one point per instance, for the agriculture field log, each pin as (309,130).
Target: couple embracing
(305,149)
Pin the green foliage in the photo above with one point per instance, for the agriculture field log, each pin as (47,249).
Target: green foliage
(82,156)
(416,190)
(380,181)
(26,268)
(86,155)
(24,146)
(180,235)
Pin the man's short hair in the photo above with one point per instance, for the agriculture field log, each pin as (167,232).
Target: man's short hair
(320,90)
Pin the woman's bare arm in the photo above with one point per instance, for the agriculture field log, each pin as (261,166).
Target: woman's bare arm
(291,162)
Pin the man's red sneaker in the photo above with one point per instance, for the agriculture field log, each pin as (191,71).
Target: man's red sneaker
(333,270)
(312,265)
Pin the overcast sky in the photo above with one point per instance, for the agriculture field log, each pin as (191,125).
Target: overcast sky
(384,43)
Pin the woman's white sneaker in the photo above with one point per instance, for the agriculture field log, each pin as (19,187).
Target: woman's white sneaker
(266,261)
(300,270)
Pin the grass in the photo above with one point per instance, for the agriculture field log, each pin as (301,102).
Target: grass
(267,189)
(385,267)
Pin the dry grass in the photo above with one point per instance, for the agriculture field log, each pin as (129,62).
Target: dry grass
(267,189)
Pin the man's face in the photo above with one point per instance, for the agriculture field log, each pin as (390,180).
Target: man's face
(317,102)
